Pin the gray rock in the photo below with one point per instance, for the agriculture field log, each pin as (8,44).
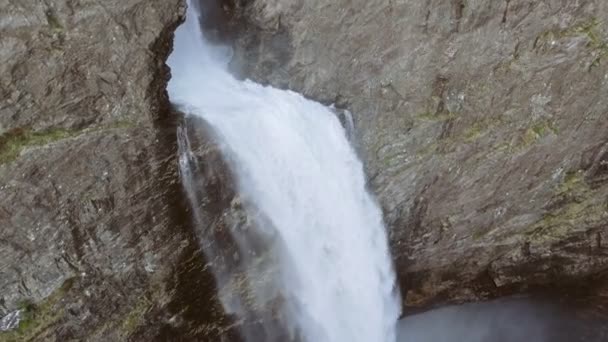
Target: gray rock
(95,241)
(482,125)
(10,321)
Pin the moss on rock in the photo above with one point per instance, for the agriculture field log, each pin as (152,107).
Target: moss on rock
(16,140)
(13,142)
(38,317)
(53,20)
(135,317)
(578,206)
(590,29)
(430,117)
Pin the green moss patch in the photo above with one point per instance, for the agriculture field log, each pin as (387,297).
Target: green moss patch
(590,29)
(538,130)
(135,317)
(16,140)
(430,117)
(562,222)
(531,135)
(38,317)
(427,150)
(479,234)
(481,127)
(470,134)
(53,20)
(577,206)
(573,185)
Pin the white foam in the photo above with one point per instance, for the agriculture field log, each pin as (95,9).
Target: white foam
(293,160)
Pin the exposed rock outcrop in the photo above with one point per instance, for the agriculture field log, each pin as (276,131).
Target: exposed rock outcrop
(95,238)
(483,126)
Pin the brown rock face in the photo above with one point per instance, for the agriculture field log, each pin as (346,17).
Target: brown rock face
(483,126)
(95,236)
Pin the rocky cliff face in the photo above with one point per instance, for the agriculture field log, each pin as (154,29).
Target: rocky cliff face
(94,239)
(483,126)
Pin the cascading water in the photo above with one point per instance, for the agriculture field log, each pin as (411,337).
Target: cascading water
(324,243)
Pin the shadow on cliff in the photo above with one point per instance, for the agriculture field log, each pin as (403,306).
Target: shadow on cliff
(197,312)
(192,311)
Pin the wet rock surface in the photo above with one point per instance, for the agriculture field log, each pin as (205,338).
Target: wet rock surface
(482,124)
(231,235)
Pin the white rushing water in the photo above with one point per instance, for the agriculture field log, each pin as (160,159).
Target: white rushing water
(293,161)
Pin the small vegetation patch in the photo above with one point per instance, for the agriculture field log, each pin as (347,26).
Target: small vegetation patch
(561,222)
(479,234)
(573,185)
(38,317)
(15,140)
(537,131)
(430,117)
(481,127)
(576,205)
(53,20)
(590,29)
(135,317)
(427,150)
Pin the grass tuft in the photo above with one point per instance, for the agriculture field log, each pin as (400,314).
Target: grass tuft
(18,139)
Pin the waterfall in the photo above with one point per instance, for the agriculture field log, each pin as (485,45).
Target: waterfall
(318,257)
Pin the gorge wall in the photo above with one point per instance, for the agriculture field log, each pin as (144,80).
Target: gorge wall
(95,241)
(483,126)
